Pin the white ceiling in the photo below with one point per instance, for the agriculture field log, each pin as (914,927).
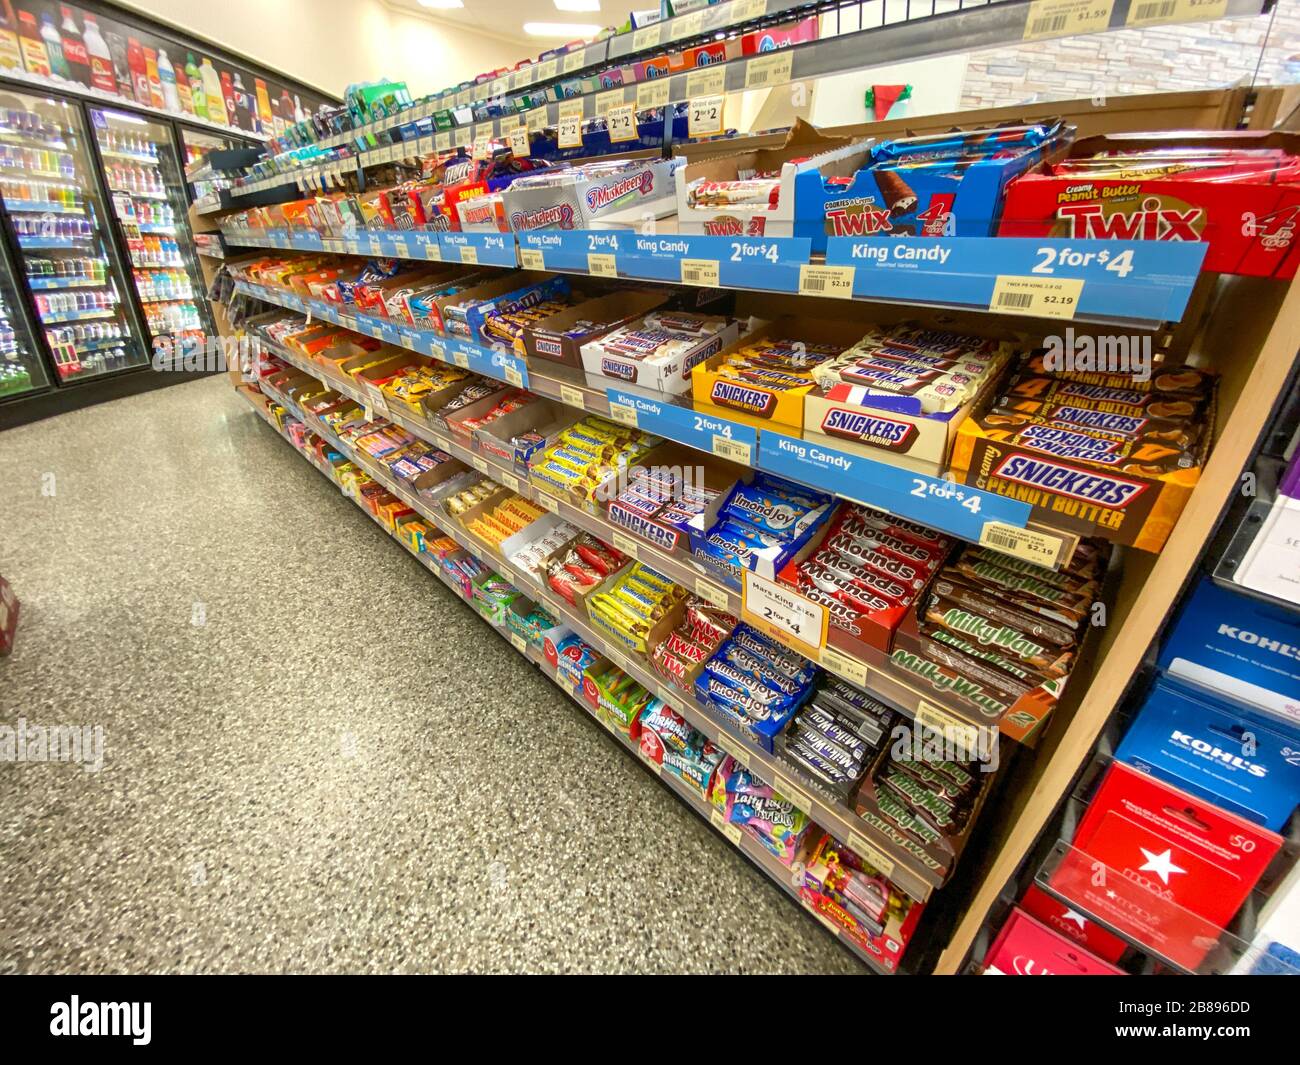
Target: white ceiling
(505,18)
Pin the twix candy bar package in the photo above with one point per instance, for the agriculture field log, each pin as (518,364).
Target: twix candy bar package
(1238,191)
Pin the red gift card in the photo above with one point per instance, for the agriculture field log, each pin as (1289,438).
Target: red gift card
(1162,866)
(1071,924)
(1026,947)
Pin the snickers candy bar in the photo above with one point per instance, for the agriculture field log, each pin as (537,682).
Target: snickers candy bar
(1186,380)
(1149,458)
(1114,425)
(1126,398)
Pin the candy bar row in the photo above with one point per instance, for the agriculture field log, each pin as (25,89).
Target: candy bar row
(1023,181)
(840,885)
(1094,452)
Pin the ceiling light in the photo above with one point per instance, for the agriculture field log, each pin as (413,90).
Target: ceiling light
(561,29)
(577,5)
(442,3)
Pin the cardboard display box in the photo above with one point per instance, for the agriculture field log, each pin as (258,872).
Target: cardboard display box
(562,338)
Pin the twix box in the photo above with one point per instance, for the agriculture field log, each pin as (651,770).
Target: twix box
(1237,191)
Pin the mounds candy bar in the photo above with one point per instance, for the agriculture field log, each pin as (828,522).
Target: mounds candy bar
(858,518)
(864,577)
(813,575)
(911,575)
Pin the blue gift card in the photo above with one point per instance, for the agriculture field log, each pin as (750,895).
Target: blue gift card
(1240,649)
(1245,764)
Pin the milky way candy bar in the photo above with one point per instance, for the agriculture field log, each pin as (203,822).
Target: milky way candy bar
(1015,640)
(938,809)
(1024,613)
(1063,602)
(1020,676)
(815,765)
(1084,568)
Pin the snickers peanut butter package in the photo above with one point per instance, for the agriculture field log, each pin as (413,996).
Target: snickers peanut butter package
(1238,192)
(1103,453)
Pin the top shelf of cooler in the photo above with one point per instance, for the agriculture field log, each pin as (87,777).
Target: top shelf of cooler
(865,34)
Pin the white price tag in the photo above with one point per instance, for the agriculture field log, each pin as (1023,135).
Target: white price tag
(520,644)
(719,821)
(520,145)
(848,668)
(460,359)
(685,26)
(546,70)
(1042,549)
(836,281)
(442,142)
(623,413)
(627,545)
(1038,297)
(733,450)
(783,613)
(704,115)
(649,37)
(607,100)
(536,119)
(532,259)
(711,593)
(510,481)
(469,254)
(572,397)
(574,60)
(514,377)
(702,272)
(1065,18)
(549,502)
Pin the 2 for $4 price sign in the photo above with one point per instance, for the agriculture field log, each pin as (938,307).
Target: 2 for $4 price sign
(783,613)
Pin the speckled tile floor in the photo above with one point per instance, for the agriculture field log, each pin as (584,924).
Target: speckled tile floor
(316,758)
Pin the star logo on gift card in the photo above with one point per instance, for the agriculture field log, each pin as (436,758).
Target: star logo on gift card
(1161,864)
(1077,918)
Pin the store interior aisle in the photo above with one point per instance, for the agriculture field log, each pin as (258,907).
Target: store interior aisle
(315,758)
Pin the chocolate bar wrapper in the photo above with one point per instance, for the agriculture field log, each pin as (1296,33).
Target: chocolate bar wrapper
(1022,614)
(1164,380)
(1134,402)
(1070,607)
(1148,458)
(1048,658)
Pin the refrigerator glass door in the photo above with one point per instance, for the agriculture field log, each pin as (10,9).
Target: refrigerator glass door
(47,182)
(21,367)
(147,184)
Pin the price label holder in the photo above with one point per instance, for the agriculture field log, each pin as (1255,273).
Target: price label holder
(747,10)
(510,481)
(426,245)
(686,26)
(442,142)
(607,101)
(704,432)
(548,502)
(649,37)
(629,546)
(516,376)
(480,463)
(706,273)
(849,668)
(623,414)
(834,281)
(460,359)
(783,613)
(1152,12)
(791,791)
(532,259)
(769,70)
(650,94)
(704,115)
(1065,18)
(461,137)
(520,644)
(573,397)
(954,508)
(399,247)
(574,60)
(1145,281)
(601,264)
(712,593)
(575,249)
(711,81)
(546,70)
(535,120)
(873,854)
(469,254)
(1033,545)
(1037,297)
(719,821)
(620,121)
(966,737)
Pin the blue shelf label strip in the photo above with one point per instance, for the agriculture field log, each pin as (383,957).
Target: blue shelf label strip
(954,508)
(1142,279)
(492,249)
(682,424)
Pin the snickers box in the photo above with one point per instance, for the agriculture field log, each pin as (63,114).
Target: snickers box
(1222,188)
(728,397)
(1136,505)
(563,337)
